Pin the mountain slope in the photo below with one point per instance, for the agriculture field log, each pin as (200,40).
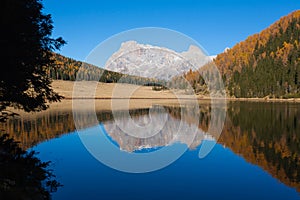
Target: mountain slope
(265,64)
(69,69)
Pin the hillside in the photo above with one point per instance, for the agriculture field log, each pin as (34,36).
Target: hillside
(265,64)
(65,68)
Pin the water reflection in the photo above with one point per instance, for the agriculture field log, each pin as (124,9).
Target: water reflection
(165,127)
(268,135)
(22,174)
(265,134)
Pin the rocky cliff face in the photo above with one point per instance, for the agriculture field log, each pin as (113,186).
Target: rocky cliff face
(154,62)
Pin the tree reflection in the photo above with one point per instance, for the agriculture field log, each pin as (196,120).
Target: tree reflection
(22,174)
(264,134)
(268,135)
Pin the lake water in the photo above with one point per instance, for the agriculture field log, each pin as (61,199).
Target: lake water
(257,155)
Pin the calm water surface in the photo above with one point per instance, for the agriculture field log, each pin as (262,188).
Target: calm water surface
(257,155)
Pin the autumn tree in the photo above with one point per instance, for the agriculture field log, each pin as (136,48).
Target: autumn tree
(266,64)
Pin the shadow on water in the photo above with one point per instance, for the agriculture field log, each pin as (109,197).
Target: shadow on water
(22,174)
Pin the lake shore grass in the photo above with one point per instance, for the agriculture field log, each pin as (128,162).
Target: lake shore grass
(107,91)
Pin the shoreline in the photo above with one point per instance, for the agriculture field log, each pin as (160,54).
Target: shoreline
(292,100)
(105,104)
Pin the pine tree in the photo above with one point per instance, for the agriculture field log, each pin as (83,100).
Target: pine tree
(27,44)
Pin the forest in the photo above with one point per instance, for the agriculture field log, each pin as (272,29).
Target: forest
(264,65)
(64,68)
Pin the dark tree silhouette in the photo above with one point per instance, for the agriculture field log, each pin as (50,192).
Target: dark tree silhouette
(26,45)
(26,50)
(22,174)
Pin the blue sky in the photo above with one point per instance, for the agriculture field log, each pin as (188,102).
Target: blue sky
(215,24)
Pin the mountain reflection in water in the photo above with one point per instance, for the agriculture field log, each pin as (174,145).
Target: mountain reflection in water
(264,134)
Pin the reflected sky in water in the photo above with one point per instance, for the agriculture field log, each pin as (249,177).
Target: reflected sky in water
(240,166)
(221,175)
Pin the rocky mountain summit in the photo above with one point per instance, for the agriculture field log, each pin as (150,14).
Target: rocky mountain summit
(155,62)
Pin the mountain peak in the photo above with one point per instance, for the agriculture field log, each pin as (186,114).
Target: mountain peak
(128,43)
(157,62)
(194,48)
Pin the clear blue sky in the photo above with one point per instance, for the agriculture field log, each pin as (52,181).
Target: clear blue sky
(215,24)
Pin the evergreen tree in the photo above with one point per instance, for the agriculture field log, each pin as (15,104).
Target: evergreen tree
(27,44)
